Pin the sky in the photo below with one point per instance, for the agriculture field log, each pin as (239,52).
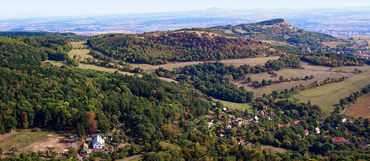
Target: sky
(11,9)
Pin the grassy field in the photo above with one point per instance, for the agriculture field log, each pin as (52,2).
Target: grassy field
(111,70)
(359,109)
(273,149)
(235,62)
(238,106)
(34,141)
(80,50)
(319,72)
(333,44)
(329,95)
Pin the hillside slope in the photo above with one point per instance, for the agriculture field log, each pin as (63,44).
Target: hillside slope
(178,46)
(277,30)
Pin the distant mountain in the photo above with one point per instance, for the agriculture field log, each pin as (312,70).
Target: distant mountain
(180,46)
(38,33)
(277,30)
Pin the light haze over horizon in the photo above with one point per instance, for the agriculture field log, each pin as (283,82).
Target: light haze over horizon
(46,8)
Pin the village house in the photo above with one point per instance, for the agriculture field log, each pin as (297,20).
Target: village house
(338,140)
(224,109)
(84,149)
(88,139)
(363,145)
(210,124)
(317,130)
(98,142)
(297,122)
(255,119)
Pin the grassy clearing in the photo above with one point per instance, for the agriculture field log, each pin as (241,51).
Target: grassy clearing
(111,70)
(273,149)
(329,95)
(235,62)
(359,109)
(319,72)
(80,50)
(238,106)
(79,44)
(137,159)
(23,140)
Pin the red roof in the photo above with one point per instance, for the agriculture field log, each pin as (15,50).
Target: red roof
(287,125)
(297,122)
(338,139)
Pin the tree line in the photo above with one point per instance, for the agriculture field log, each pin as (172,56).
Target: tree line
(215,79)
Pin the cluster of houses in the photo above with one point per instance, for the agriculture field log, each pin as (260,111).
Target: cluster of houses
(238,122)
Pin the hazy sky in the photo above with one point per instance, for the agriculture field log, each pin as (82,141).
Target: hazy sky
(42,8)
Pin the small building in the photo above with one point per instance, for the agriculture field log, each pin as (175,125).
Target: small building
(228,126)
(363,145)
(224,109)
(297,122)
(98,142)
(306,132)
(84,148)
(210,124)
(88,139)
(256,119)
(338,140)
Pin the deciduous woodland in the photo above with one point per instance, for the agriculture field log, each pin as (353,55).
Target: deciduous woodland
(160,47)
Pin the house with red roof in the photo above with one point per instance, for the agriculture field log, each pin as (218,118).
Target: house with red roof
(338,140)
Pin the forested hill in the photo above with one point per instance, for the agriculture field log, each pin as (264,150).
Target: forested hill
(39,33)
(37,94)
(180,46)
(276,30)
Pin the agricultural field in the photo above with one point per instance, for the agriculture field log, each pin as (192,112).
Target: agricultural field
(326,96)
(359,109)
(361,41)
(238,106)
(268,148)
(329,95)
(236,62)
(25,141)
(334,44)
(319,72)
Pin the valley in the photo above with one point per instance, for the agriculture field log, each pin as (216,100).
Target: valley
(268,90)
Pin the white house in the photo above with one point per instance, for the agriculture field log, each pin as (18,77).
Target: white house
(98,142)
(318,130)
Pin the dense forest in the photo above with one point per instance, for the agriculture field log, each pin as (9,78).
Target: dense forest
(36,48)
(332,59)
(36,94)
(160,47)
(276,30)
